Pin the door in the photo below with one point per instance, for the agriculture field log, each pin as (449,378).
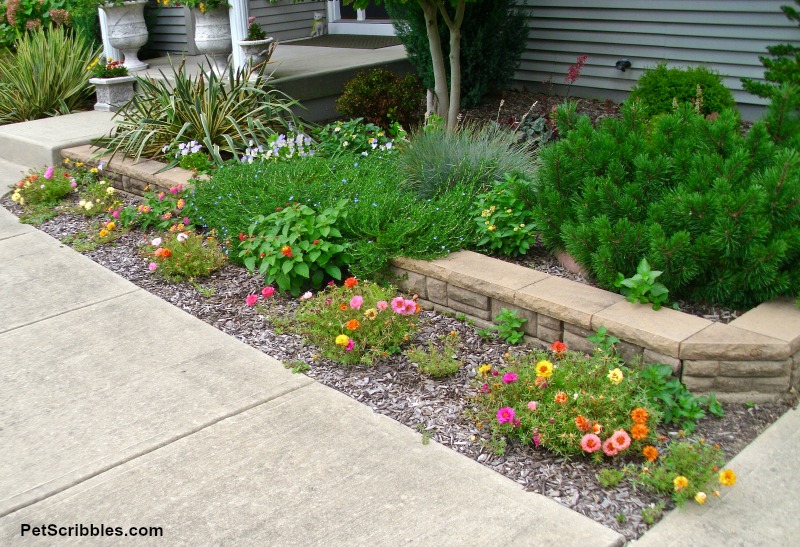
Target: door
(344,19)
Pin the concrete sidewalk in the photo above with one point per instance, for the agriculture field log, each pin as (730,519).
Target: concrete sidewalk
(119,409)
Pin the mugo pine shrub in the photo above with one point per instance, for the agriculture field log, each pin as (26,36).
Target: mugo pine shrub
(659,87)
(716,211)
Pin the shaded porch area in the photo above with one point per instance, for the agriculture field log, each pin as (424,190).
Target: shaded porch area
(313,75)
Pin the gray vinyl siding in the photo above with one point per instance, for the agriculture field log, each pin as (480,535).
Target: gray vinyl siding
(727,36)
(169,32)
(174,29)
(284,20)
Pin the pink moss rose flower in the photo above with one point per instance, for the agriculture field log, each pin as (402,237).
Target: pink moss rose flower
(381,305)
(350,345)
(608,447)
(356,302)
(409,307)
(621,439)
(397,304)
(49,173)
(509,378)
(266,292)
(251,299)
(505,415)
(532,405)
(591,443)
(152,266)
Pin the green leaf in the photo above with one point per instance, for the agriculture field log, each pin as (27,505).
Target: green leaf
(333,271)
(250,263)
(287,266)
(301,269)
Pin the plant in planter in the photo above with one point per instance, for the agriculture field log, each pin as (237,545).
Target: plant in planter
(212,29)
(113,85)
(257,46)
(127,30)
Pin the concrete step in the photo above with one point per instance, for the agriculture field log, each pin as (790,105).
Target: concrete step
(9,174)
(38,143)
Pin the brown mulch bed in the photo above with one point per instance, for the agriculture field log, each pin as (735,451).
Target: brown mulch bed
(396,389)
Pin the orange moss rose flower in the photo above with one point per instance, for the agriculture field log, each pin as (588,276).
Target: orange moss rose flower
(582,423)
(639,415)
(350,282)
(353,324)
(650,453)
(560,398)
(639,432)
(558,347)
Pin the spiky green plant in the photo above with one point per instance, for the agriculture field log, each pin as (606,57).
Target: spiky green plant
(226,114)
(47,76)
(436,159)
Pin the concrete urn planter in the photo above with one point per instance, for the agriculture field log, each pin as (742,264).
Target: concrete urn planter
(257,52)
(212,36)
(112,93)
(127,31)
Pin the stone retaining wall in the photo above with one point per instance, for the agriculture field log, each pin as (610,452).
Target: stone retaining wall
(129,175)
(755,358)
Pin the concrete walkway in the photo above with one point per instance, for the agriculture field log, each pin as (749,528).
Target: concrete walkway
(119,409)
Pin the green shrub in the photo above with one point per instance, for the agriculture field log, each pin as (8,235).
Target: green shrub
(296,247)
(493,39)
(97,196)
(43,187)
(355,137)
(19,17)
(566,402)
(225,114)
(696,464)
(782,66)
(47,76)
(184,255)
(438,362)
(674,401)
(504,216)
(381,97)
(356,323)
(659,87)
(383,220)
(714,210)
(473,155)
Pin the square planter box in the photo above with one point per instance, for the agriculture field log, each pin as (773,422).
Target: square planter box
(112,92)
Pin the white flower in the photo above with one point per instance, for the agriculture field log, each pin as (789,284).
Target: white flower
(182,237)
(306,295)
(88,205)
(156,242)
(102,182)
(110,190)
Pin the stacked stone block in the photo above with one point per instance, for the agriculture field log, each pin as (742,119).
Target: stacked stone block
(756,358)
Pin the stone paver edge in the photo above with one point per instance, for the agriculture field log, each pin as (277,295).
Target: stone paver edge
(700,339)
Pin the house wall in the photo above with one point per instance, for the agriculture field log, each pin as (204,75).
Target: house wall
(173,30)
(284,20)
(727,36)
(170,34)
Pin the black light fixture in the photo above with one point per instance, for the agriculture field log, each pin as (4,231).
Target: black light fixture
(623,65)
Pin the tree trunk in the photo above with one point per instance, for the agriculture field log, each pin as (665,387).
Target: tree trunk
(430,9)
(454,26)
